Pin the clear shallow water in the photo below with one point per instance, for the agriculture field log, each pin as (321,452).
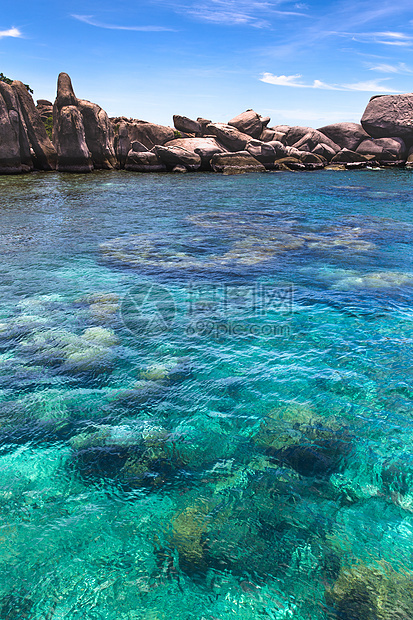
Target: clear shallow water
(205,396)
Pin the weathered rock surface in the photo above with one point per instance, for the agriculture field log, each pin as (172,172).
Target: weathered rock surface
(229,136)
(346,135)
(144,162)
(24,143)
(383,149)
(99,135)
(10,151)
(45,109)
(150,134)
(236,163)
(263,152)
(204,147)
(173,156)
(347,156)
(389,116)
(69,136)
(249,122)
(45,155)
(187,125)
(324,151)
(299,138)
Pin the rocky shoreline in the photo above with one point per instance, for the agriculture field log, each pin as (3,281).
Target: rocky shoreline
(75,135)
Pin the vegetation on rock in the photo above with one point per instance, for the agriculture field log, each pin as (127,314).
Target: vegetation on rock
(3,78)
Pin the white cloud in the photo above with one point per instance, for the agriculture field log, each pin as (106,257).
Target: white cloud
(401,67)
(253,13)
(283,80)
(12,32)
(372,86)
(292,80)
(89,19)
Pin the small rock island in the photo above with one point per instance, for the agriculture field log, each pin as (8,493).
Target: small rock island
(75,135)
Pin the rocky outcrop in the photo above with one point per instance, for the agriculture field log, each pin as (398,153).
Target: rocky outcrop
(250,123)
(130,130)
(144,162)
(383,149)
(187,125)
(173,156)
(204,147)
(346,135)
(69,136)
(82,132)
(346,156)
(229,136)
(24,144)
(236,163)
(44,153)
(388,116)
(99,135)
(263,152)
(14,156)
(45,109)
(305,138)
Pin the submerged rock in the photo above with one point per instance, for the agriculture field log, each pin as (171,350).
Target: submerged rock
(375,592)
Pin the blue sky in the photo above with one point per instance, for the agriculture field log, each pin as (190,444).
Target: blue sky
(306,63)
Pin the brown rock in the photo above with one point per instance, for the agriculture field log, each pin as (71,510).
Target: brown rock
(389,116)
(262,152)
(347,156)
(311,139)
(204,122)
(289,163)
(65,92)
(45,155)
(248,122)
(324,151)
(150,134)
(73,154)
(173,156)
(346,135)
(187,125)
(15,154)
(144,162)
(99,135)
(45,109)
(236,163)
(383,149)
(204,147)
(229,136)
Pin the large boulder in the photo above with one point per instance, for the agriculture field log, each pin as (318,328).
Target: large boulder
(99,135)
(383,149)
(73,154)
(45,155)
(187,125)
(268,135)
(346,135)
(122,143)
(389,116)
(150,134)
(69,136)
(309,140)
(346,156)
(324,151)
(173,156)
(249,122)
(236,163)
(204,147)
(262,152)
(45,109)
(10,160)
(144,162)
(229,136)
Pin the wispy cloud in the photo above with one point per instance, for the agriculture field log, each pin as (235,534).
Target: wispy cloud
(254,13)
(294,81)
(398,39)
(89,19)
(400,68)
(12,32)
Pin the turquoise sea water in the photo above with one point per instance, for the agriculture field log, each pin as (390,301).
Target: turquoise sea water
(206,397)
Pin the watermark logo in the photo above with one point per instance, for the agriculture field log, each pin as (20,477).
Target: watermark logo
(148,309)
(209,309)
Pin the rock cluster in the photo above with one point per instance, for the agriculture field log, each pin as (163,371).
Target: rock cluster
(24,143)
(84,138)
